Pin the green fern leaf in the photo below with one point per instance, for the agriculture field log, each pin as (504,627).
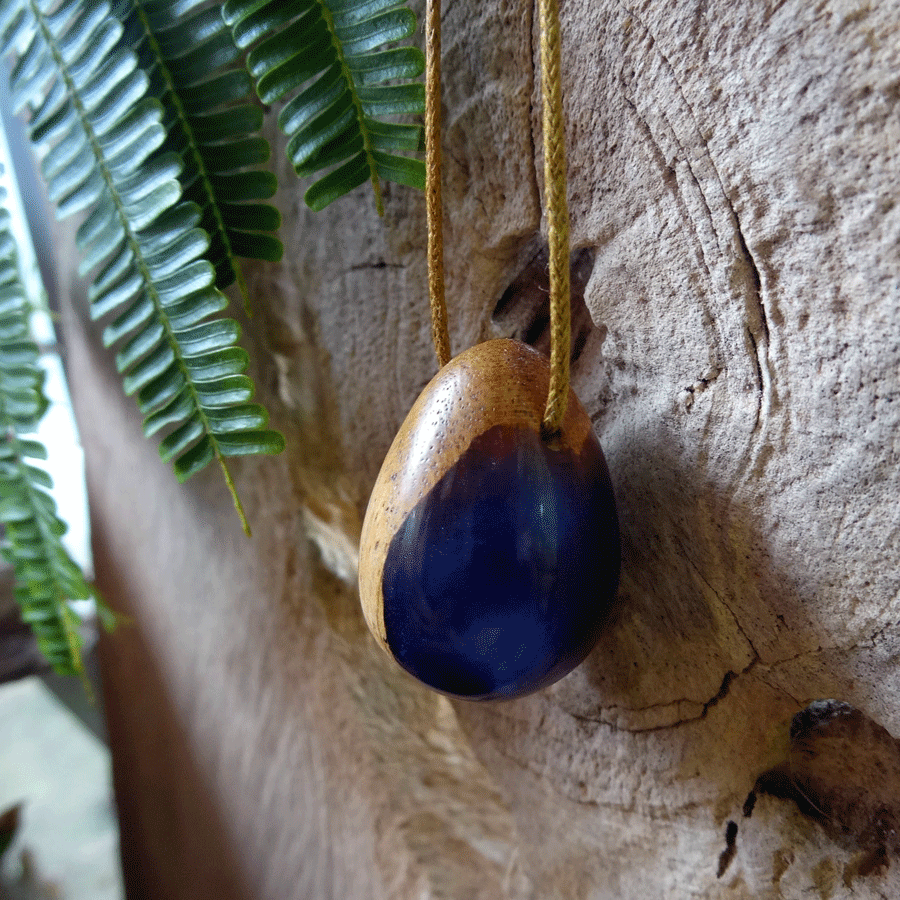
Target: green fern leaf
(106,153)
(195,68)
(46,578)
(332,52)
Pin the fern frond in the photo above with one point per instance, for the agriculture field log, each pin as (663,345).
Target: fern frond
(196,70)
(330,56)
(46,577)
(99,129)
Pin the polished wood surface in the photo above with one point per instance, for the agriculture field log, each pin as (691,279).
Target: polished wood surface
(497,386)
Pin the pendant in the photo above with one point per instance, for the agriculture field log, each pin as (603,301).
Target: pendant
(489,557)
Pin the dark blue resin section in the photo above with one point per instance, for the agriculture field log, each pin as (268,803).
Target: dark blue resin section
(502,577)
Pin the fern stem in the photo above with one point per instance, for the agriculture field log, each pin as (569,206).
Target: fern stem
(357,105)
(73,639)
(234,495)
(133,242)
(195,152)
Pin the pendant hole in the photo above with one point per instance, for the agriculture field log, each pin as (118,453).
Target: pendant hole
(523,310)
(552,440)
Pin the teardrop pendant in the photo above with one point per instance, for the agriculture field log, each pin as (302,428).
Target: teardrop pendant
(489,558)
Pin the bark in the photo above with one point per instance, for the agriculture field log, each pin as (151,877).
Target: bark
(733,191)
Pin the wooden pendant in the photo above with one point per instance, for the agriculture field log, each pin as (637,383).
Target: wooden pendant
(489,558)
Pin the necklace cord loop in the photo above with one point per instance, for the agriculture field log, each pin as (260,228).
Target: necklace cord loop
(554,146)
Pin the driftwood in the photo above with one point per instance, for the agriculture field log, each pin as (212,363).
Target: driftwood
(734,185)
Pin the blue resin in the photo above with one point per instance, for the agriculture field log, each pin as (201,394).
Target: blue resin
(500,580)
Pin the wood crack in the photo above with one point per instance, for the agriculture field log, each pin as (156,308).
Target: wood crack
(724,689)
(760,347)
(757,365)
(375,264)
(751,262)
(721,600)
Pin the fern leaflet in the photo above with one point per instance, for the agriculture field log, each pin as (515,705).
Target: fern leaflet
(212,122)
(99,129)
(333,53)
(46,578)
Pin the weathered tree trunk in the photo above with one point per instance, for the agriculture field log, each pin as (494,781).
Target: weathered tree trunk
(734,186)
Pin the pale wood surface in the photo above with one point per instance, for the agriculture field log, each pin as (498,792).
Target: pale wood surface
(735,171)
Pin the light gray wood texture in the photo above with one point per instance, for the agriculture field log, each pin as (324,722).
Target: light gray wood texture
(735,172)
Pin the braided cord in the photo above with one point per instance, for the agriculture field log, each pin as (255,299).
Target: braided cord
(434,206)
(557,215)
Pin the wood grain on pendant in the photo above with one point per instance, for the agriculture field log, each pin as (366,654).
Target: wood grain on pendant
(489,557)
